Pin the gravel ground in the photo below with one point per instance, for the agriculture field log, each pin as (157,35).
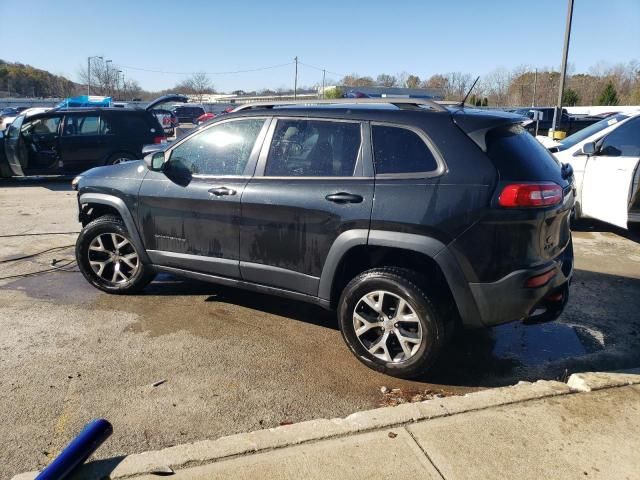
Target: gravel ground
(234,361)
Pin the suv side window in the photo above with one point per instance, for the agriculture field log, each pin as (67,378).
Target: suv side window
(624,141)
(313,148)
(41,126)
(222,149)
(84,125)
(400,150)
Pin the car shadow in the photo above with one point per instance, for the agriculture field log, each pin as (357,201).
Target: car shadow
(167,284)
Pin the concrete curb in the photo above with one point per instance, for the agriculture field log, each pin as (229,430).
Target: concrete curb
(209,451)
(590,381)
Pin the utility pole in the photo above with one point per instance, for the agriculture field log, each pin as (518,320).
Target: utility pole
(107,62)
(535,84)
(89,73)
(563,69)
(324,72)
(295,81)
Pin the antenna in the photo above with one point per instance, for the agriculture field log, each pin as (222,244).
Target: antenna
(467,95)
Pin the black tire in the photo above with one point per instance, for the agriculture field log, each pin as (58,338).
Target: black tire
(408,286)
(119,158)
(107,225)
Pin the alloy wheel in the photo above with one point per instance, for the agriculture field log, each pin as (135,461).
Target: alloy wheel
(387,326)
(113,258)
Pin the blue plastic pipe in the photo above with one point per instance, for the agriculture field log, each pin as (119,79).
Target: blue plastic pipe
(80,448)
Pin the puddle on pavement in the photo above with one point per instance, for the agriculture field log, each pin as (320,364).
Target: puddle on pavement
(537,344)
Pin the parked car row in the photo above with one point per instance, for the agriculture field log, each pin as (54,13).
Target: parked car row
(71,140)
(605,158)
(567,123)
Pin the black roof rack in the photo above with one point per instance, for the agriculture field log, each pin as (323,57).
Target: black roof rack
(404,103)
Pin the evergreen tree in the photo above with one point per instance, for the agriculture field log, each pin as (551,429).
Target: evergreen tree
(609,96)
(570,97)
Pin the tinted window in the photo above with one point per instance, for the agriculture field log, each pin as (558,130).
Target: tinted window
(398,150)
(313,148)
(624,141)
(519,156)
(85,125)
(133,124)
(223,149)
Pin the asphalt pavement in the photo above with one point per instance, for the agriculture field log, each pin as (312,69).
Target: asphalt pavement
(230,361)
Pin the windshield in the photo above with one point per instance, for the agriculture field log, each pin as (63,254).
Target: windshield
(579,136)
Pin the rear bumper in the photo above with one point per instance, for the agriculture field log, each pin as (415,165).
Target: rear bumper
(508,299)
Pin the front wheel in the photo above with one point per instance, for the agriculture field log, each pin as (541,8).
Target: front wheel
(119,158)
(389,322)
(108,259)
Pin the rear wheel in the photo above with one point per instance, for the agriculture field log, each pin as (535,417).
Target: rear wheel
(389,322)
(108,259)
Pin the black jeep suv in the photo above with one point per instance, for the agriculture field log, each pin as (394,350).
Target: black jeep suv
(407,217)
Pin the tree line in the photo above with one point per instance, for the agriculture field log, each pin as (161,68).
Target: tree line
(604,84)
(17,79)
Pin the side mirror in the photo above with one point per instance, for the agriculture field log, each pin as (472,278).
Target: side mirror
(155,161)
(589,148)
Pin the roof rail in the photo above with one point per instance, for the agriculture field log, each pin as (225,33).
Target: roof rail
(404,103)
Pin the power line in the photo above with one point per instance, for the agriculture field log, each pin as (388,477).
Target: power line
(209,73)
(232,72)
(322,69)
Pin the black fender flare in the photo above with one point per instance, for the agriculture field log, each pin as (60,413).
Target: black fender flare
(127,218)
(429,246)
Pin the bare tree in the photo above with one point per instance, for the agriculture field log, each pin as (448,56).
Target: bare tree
(197,84)
(497,84)
(386,80)
(456,85)
(355,80)
(435,81)
(104,77)
(413,81)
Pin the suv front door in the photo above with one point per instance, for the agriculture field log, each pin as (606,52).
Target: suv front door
(608,178)
(189,214)
(313,181)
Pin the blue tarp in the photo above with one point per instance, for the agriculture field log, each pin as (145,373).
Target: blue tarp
(85,101)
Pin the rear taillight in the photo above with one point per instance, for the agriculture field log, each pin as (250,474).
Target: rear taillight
(159,139)
(517,195)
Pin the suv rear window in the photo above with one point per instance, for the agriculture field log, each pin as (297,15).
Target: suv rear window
(520,157)
(313,148)
(400,150)
(137,124)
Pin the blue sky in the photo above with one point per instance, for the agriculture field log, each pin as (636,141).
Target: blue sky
(367,37)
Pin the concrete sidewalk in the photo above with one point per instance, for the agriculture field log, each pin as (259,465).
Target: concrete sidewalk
(587,428)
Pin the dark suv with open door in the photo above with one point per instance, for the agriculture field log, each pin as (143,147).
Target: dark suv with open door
(407,217)
(69,141)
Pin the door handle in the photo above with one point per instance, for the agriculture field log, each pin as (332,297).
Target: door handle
(344,197)
(220,191)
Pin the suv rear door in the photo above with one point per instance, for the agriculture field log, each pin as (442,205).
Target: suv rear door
(311,184)
(608,178)
(85,140)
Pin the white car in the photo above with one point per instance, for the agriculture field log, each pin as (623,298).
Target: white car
(6,121)
(605,158)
